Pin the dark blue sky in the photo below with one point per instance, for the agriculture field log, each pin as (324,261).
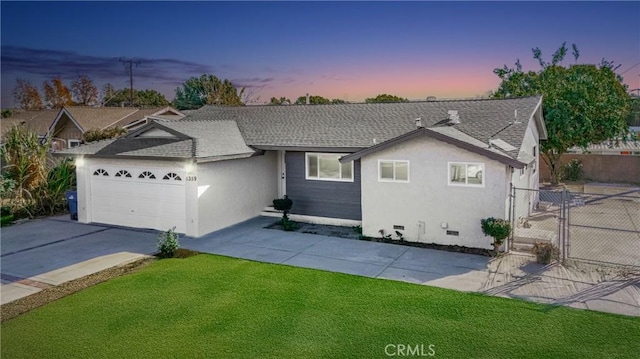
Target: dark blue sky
(338,50)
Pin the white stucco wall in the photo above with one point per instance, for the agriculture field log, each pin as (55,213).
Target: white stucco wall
(526,200)
(232,191)
(427,200)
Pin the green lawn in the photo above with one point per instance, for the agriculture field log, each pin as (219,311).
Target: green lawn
(218,307)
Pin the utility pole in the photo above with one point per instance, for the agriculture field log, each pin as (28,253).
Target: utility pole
(131,63)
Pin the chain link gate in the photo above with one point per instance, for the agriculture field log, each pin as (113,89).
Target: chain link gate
(600,228)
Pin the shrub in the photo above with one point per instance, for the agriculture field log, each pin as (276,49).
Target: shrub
(284,204)
(168,243)
(96,134)
(572,171)
(499,229)
(545,252)
(6,220)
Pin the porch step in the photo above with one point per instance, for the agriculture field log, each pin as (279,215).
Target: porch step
(269,211)
(532,235)
(521,248)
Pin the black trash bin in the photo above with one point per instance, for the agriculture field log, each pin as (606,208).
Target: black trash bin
(72,204)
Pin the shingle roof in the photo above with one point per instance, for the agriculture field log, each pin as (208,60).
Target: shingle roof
(37,121)
(103,117)
(207,140)
(99,117)
(229,131)
(359,125)
(213,138)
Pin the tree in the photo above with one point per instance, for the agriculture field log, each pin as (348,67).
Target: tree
(207,90)
(313,100)
(56,94)
(141,98)
(84,91)
(634,114)
(280,101)
(150,98)
(27,95)
(108,91)
(385,98)
(582,104)
(24,159)
(6,113)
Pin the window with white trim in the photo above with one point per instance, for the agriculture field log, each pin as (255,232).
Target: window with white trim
(100,172)
(535,158)
(327,167)
(393,171)
(466,174)
(73,143)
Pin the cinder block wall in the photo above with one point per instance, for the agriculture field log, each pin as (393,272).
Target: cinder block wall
(600,168)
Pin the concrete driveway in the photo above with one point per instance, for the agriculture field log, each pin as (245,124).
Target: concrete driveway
(41,253)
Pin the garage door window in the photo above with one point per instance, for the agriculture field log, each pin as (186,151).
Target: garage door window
(123,173)
(100,172)
(171,177)
(147,175)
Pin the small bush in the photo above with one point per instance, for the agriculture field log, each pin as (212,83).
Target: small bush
(572,171)
(283,204)
(6,220)
(499,229)
(168,243)
(545,252)
(96,134)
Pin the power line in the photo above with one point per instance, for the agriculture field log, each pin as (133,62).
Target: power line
(131,63)
(622,73)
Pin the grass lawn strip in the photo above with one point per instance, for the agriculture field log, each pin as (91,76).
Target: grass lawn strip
(213,306)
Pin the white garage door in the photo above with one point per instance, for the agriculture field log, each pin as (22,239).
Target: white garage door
(141,198)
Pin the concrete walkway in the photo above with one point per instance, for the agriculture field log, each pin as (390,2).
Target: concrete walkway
(516,276)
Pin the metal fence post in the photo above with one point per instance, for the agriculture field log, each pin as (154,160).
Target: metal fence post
(513,228)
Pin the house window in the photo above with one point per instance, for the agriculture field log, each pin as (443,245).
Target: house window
(123,173)
(327,167)
(171,177)
(466,174)
(73,143)
(100,172)
(147,175)
(393,171)
(522,171)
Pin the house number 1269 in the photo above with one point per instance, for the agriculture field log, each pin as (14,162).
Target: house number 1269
(191,178)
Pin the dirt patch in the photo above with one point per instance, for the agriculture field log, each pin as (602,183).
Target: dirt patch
(353,233)
(28,303)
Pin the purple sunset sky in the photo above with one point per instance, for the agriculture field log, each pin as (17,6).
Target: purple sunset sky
(348,50)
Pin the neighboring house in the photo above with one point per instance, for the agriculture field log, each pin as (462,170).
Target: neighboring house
(430,170)
(71,122)
(36,121)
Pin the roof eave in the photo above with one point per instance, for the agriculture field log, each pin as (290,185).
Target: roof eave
(440,137)
(308,148)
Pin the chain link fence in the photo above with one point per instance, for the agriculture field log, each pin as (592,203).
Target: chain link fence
(604,227)
(594,227)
